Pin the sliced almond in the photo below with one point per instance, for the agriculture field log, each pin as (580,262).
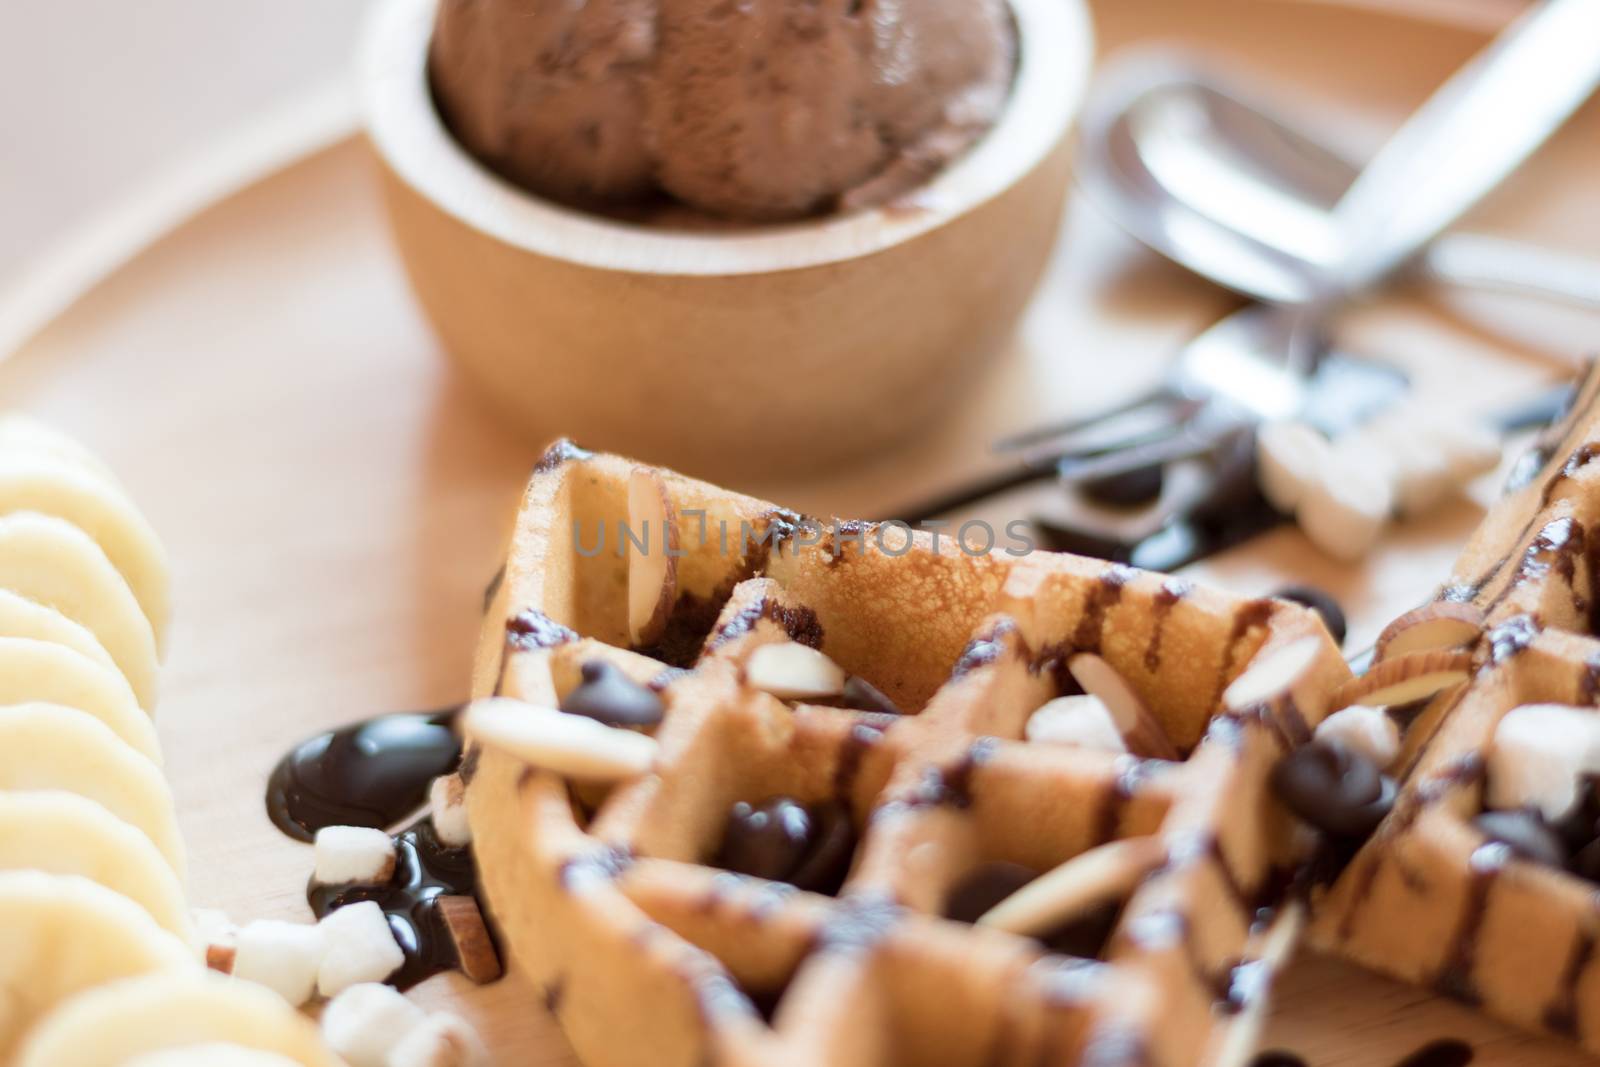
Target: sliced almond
(475,952)
(1273,674)
(1101,874)
(792,671)
(1138,726)
(1080,720)
(1442,624)
(1405,679)
(570,745)
(653,572)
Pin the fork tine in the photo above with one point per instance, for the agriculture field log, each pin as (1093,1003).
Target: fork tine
(1067,428)
(1054,455)
(1183,444)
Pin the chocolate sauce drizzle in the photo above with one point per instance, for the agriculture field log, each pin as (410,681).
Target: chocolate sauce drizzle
(375,773)
(1103,596)
(1172,590)
(532,630)
(1580,458)
(1562,1015)
(560,453)
(1455,979)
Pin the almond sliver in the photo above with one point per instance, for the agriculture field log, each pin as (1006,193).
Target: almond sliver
(1101,874)
(1440,625)
(1406,679)
(1273,674)
(1141,729)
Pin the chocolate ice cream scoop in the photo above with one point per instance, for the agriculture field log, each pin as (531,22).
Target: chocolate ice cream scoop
(749,109)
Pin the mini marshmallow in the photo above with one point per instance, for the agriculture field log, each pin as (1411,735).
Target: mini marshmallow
(1288,456)
(1539,755)
(1346,510)
(448,797)
(282,956)
(366,1021)
(358,947)
(1084,721)
(212,926)
(1471,446)
(1423,477)
(444,1040)
(1438,454)
(1364,729)
(353,855)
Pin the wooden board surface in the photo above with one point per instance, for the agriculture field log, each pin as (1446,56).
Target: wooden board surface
(334,498)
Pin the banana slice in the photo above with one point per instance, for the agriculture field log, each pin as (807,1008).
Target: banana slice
(53,486)
(37,671)
(110,1026)
(60,935)
(61,833)
(21,617)
(52,561)
(25,434)
(211,1056)
(46,746)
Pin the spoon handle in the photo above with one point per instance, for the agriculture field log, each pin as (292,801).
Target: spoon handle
(1502,266)
(1473,132)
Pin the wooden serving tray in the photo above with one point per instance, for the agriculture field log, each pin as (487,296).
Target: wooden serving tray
(334,498)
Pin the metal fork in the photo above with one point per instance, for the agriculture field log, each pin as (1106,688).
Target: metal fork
(1257,363)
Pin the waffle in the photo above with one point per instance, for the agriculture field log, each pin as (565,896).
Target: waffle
(607,857)
(1432,898)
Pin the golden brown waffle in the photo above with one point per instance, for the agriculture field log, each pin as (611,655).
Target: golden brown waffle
(648,954)
(1430,898)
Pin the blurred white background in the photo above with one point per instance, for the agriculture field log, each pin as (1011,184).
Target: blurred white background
(102,97)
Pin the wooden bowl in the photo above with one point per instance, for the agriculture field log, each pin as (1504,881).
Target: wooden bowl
(767,349)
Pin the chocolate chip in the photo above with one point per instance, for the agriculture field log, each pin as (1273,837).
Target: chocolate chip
(1526,834)
(1586,863)
(1130,489)
(766,841)
(833,846)
(1085,936)
(1582,825)
(861,695)
(782,840)
(613,698)
(1334,789)
(1320,602)
(984,887)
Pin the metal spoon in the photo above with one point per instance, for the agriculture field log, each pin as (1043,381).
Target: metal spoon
(1203,172)
(1256,363)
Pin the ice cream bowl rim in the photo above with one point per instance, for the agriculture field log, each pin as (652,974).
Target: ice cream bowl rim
(1055,56)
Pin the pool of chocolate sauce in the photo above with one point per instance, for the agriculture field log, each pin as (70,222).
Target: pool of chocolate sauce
(376,773)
